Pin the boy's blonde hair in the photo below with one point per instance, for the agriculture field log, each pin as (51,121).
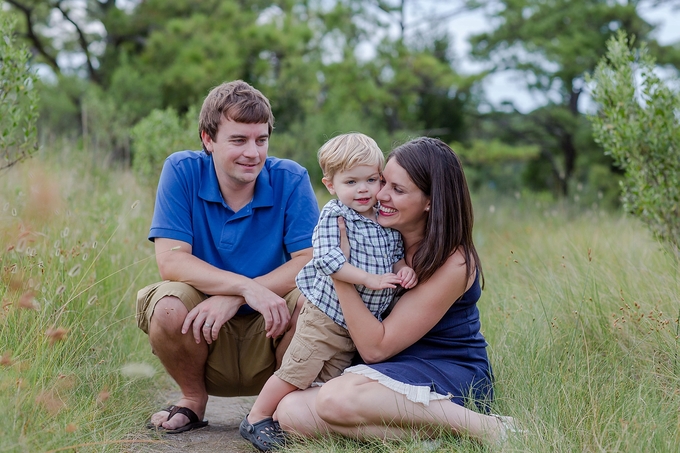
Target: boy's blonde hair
(347,151)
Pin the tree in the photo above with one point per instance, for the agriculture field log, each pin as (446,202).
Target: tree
(18,98)
(303,55)
(638,126)
(554,44)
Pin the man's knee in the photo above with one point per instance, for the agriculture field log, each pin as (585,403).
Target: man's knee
(168,316)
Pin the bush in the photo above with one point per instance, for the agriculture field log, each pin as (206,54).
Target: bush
(18,98)
(156,137)
(638,126)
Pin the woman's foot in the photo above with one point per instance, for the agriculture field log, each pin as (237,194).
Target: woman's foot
(507,426)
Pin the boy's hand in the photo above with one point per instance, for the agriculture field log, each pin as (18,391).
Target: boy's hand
(382,281)
(407,277)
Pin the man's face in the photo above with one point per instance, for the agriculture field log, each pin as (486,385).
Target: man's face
(239,152)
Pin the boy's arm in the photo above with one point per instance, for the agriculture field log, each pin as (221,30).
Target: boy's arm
(329,259)
(352,274)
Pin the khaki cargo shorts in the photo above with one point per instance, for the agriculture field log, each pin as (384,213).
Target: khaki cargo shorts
(320,349)
(241,359)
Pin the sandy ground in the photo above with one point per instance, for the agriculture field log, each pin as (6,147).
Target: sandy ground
(221,435)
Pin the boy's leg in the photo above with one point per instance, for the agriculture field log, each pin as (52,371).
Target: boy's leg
(268,399)
(287,337)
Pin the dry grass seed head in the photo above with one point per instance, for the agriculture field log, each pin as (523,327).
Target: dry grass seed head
(103,396)
(56,334)
(27,301)
(50,401)
(6,359)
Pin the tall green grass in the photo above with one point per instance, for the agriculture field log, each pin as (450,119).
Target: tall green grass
(74,368)
(580,311)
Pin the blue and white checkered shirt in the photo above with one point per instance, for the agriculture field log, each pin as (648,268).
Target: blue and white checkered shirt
(372,248)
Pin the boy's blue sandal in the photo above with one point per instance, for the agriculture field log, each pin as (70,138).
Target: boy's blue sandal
(265,435)
(194,422)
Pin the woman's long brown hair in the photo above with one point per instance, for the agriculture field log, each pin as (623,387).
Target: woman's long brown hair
(437,171)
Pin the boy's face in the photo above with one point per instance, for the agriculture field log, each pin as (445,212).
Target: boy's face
(356,188)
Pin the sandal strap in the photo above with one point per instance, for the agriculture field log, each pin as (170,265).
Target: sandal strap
(188,413)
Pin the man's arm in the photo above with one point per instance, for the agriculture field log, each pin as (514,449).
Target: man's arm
(282,279)
(175,262)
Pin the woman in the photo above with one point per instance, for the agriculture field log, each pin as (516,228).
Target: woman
(427,356)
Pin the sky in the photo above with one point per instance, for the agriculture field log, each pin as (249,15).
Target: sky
(507,86)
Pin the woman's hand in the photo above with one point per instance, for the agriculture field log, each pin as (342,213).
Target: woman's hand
(407,277)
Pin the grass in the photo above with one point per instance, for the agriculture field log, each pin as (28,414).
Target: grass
(580,311)
(74,368)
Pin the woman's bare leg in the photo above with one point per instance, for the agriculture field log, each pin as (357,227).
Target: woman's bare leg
(297,414)
(359,407)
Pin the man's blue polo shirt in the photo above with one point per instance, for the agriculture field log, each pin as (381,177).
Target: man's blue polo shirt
(260,237)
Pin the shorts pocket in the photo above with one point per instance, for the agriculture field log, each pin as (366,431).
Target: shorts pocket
(300,351)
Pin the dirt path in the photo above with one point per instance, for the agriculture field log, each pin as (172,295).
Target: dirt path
(221,435)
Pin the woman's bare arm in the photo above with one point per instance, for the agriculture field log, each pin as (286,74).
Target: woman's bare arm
(412,317)
(418,311)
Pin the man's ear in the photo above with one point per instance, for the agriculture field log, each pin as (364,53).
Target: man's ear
(329,185)
(207,142)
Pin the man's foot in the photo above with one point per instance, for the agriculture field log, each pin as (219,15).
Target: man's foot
(194,422)
(162,419)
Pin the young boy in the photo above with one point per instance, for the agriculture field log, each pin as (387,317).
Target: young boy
(322,348)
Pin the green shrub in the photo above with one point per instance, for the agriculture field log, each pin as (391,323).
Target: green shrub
(638,126)
(18,98)
(156,137)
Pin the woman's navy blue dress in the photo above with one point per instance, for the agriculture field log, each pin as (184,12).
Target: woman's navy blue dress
(450,360)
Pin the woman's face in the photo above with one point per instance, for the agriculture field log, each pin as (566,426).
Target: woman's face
(403,206)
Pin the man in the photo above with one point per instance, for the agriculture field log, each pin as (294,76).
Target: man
(232,228)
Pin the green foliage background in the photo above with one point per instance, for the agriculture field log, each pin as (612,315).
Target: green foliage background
(638,126)
(18,98)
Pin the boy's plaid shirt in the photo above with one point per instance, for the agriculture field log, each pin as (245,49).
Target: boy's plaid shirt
(372,248)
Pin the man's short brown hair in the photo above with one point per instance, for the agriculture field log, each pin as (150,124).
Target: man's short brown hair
(237,101)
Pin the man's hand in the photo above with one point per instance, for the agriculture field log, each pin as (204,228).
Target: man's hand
(272,307)
(207,318)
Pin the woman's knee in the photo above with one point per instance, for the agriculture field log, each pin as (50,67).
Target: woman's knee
(338,402)
(296,413)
